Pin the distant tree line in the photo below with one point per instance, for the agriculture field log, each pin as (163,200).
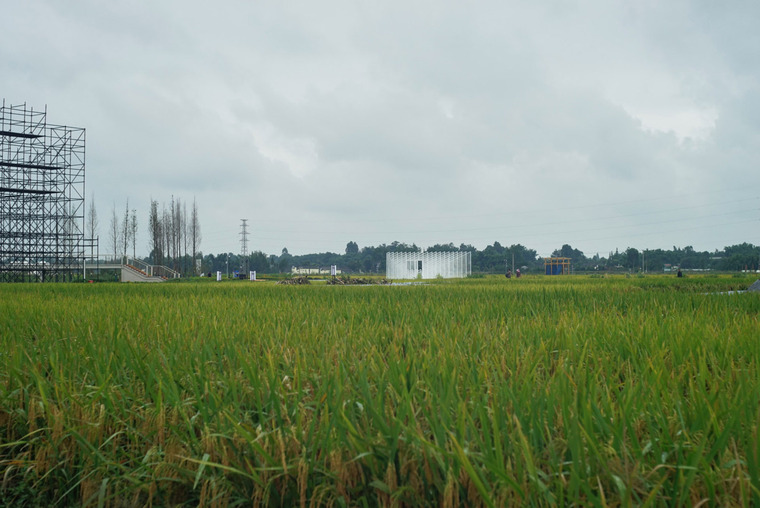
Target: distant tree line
(174,239)
(493,259)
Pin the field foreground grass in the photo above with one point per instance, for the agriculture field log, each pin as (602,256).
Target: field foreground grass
(484,392)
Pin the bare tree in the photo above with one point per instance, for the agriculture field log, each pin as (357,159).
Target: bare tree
(133,232)
(155,229)
(92,220)
(168,230)
(125,230)
(176,230)
(195,233)
(177,217)
(185,229)
(113,233)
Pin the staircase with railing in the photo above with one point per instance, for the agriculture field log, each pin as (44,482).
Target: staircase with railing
(136,270)
(140,271)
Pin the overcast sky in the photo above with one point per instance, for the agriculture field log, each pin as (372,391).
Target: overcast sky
(603,124)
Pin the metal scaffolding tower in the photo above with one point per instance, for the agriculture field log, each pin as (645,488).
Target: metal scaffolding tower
(41,197)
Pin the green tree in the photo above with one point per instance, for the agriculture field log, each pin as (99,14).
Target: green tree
(258,262)
(522,255)
(740,257)
(568,252)
(444,247)
(352,248)
(633,258)
(284,261)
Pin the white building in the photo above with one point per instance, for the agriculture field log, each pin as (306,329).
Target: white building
(427,265)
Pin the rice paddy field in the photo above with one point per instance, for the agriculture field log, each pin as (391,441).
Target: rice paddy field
(539,391)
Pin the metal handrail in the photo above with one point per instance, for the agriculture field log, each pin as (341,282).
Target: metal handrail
(139,264)
(166,272)
(152,270)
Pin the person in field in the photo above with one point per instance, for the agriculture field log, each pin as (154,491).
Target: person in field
(509,274)
(517,273)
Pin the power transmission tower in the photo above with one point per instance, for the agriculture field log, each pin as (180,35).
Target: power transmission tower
(244,245)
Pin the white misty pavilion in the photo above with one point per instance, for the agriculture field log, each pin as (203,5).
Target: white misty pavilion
(427,265)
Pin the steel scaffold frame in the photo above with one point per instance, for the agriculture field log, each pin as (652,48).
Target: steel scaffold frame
(557,266)
(41,197)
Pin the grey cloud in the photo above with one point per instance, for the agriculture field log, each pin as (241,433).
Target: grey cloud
(433,121)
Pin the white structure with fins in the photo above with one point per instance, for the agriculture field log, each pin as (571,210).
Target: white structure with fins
(427,265)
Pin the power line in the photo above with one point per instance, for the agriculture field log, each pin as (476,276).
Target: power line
(530,212)
(514,229)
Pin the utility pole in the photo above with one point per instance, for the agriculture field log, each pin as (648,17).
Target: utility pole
(244,244)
